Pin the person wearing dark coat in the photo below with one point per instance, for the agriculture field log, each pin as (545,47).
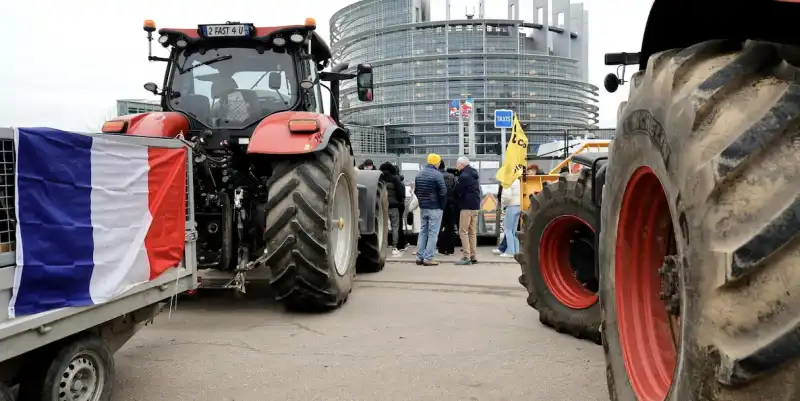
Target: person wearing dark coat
(431,193)
(396,192)
(468,193)
(446,241)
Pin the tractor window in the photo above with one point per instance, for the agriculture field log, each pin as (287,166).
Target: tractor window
(233,87)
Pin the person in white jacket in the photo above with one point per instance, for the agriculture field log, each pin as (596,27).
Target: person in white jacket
(413,208)
(511,200)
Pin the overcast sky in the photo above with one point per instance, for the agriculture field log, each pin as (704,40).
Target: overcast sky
(66,62)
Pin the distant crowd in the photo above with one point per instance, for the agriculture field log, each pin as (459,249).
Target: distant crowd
(448,200)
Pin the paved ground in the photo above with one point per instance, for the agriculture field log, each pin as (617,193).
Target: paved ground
(408,333)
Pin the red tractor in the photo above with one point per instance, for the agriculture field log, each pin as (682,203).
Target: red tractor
(275,183)
(699,243)
(697,224)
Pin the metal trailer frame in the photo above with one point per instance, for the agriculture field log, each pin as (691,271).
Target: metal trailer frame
(117,320)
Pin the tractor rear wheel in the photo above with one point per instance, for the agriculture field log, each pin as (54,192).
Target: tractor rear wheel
(312,228)
(558,257)
(374,248)
(700,248)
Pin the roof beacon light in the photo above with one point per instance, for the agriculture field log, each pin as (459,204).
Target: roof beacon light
(311,23)
(278,41)
(149,25)
(296,38)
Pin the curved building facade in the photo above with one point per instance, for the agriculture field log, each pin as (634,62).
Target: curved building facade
(537,69)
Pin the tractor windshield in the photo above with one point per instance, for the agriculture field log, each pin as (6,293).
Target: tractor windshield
(233,87)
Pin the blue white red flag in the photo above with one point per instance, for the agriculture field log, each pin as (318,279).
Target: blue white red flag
(96,216)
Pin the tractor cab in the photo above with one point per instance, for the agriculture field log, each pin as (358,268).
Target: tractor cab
(226,78)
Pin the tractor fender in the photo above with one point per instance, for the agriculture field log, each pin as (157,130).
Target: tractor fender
(272,135)
(164,124)
(367,184)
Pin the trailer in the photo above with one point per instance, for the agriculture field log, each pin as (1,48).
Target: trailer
(67,352)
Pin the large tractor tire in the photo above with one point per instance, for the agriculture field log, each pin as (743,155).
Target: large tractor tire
(700,289)
(373,249)
(558,257)
(312,228)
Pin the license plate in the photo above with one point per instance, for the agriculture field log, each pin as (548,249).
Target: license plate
(217,31)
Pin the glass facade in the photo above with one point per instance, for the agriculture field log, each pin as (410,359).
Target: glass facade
(419,66)
(136,106)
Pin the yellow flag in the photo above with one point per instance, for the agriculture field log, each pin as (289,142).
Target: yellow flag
(516,156)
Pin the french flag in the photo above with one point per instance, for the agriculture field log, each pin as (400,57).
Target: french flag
(96,216)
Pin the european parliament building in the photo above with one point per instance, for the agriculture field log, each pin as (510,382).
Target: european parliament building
(538,69)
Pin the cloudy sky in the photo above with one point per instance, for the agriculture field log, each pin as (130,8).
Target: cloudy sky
(66,62)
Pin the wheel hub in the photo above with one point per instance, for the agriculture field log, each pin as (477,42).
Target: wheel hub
(669,286)
(557,248)
(647,287)
(341,230)
(81,380)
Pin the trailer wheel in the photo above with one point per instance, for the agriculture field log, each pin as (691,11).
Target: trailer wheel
(700,247)
(81,370)
(373,249)
(558,257)
(312,228)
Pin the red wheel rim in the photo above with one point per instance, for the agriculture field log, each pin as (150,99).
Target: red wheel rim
(558,274)
(643,238)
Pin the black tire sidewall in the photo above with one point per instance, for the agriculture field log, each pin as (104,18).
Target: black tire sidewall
(630,151)
(382,212)
(562,202)
(64,356)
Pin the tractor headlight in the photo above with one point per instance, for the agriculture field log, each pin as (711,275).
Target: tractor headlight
(296,38)
(181,43)
(163,39)
(278,41)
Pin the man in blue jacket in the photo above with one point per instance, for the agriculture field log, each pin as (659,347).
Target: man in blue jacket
(468,194)
(431,194)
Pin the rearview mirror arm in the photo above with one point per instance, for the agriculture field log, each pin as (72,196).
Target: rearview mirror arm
(335,76)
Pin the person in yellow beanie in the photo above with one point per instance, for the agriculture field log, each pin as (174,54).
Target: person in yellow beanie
(431,193)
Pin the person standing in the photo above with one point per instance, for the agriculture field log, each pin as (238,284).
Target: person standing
(511,200)
(402,242)
(368,165)
(468,194)
(446,242)
(397,197)
(431,192)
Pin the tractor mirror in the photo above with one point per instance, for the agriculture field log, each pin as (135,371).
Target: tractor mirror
(151,87)
(364,82)
(622,58)
(274,80)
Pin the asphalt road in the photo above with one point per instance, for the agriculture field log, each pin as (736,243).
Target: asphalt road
(407,333)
